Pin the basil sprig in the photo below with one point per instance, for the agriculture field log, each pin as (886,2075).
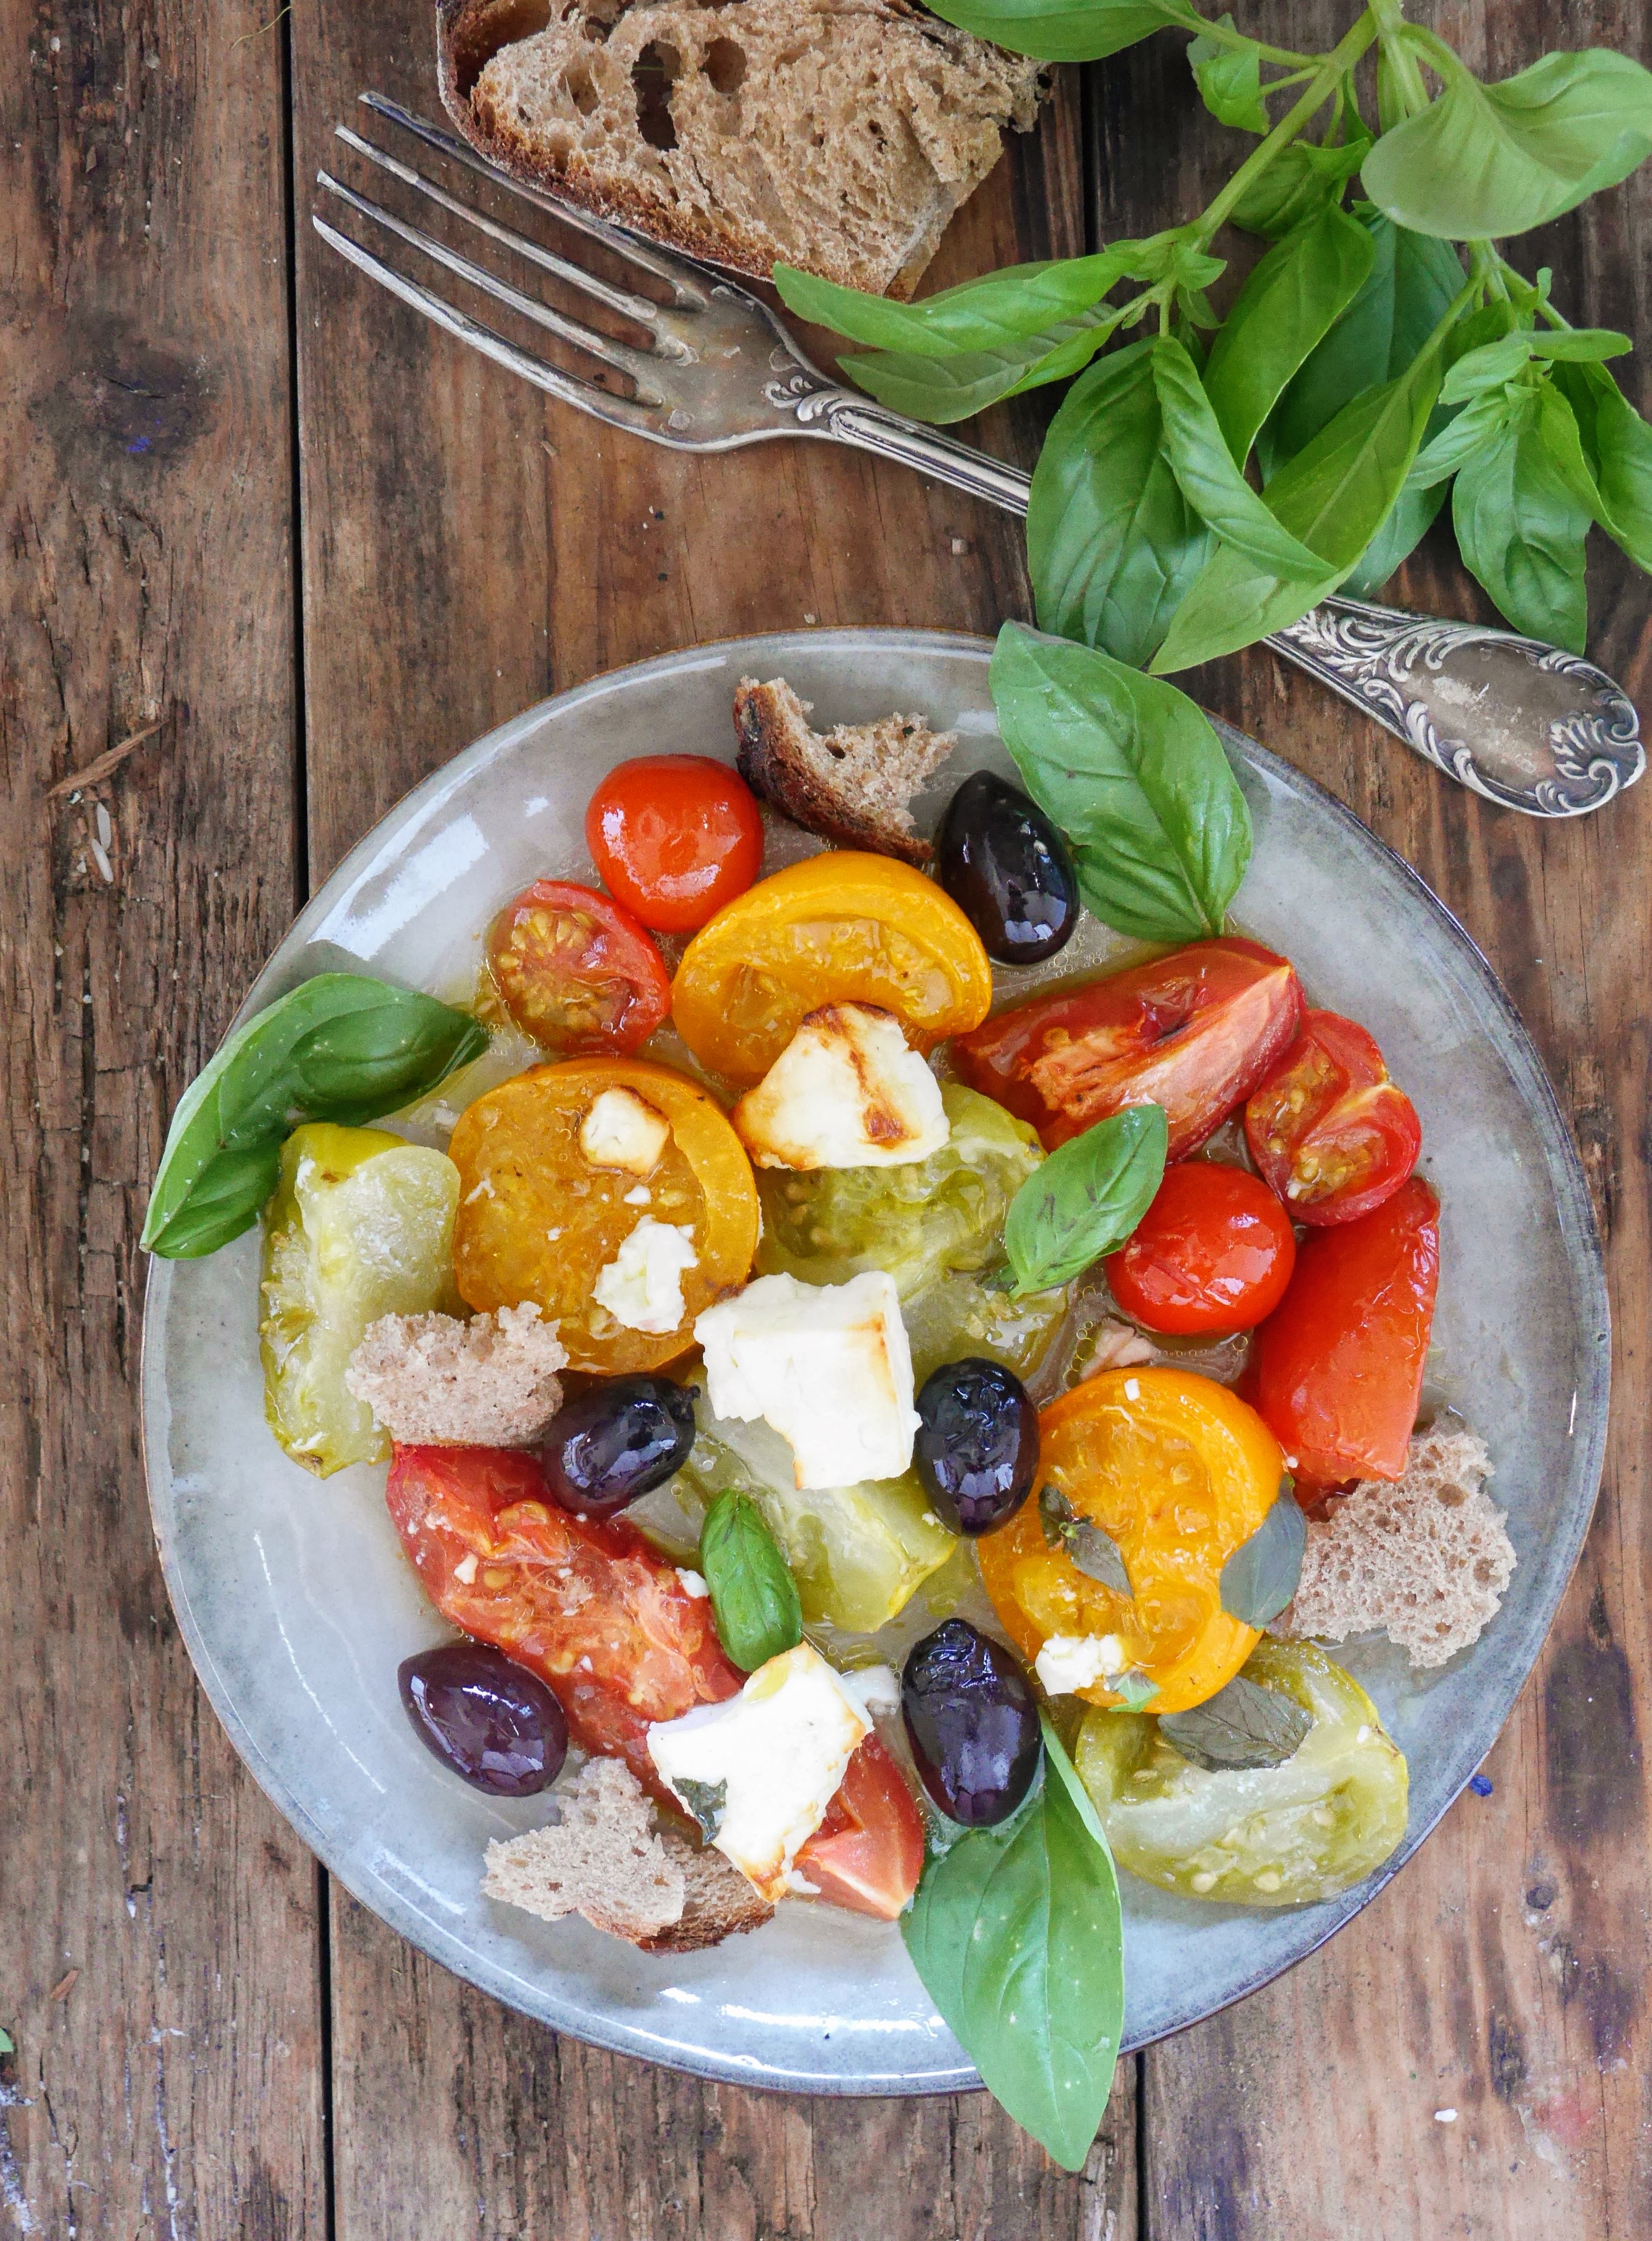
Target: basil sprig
(1017,1936)
(754,1598)
(1084,1200)
(338,1047)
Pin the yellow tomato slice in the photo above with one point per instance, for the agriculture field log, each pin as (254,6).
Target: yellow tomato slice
(538,1222)
(1178,1472)
(842,927)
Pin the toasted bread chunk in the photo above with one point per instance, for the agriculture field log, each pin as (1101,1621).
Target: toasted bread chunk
(432,1380)
(1424,1561)
(853,785)
(836,135)
(605,1859)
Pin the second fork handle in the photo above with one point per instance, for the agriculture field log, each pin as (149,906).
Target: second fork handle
(1519,722)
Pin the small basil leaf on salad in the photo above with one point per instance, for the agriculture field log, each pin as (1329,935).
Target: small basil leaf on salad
(1244,1725)
(1016,1934)
(1088,1545)
(1135,777)
(1259,1578)
(754,1598)
(706,1801)
(1133,1690)
(339,1047)
(1084,1200)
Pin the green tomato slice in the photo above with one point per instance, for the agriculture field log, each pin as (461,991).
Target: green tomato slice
(1279,1836)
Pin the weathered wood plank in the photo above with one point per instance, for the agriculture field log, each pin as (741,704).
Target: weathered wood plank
(467,551)
(158,1928)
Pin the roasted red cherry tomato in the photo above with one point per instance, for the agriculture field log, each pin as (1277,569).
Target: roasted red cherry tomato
(1338,1365)
(1214,1252)
(1194,1031)
(869,1852)
(676,837)
(1329,1131)
(576,971)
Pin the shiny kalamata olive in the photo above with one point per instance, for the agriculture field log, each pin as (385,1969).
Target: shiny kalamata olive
(1007,868)
(490,1721)
(977,1445)
(972,1720)
(620,1439)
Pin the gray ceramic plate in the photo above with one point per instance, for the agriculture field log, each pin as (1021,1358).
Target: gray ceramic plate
(295,1602)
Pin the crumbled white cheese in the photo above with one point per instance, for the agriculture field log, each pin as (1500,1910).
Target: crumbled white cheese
(642,1286)
(1071,1662)
(779,1749)
(846,1092)
(623,1130)
(693,1584)
(875,1687)
(465,1570)
(639,1194)
(827,1365)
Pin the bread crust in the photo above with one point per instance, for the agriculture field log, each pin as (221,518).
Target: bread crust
(770,761)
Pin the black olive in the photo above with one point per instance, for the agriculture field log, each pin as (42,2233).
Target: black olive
(977,1444)
(972,1720)
(616,1442)
(489,1720)
(1007,868)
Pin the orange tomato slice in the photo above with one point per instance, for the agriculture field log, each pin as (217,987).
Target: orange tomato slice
(842,927)
(538,1222)
(1179,1471)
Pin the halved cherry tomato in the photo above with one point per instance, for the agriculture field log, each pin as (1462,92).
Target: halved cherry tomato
(585,1604)
(1329,1131)
(1177,1472)
(1338,1365)
(869,1852)
(575,970)
(537,1220)
(844,927)
(1214,1252)
(676,837)
(1193,1032)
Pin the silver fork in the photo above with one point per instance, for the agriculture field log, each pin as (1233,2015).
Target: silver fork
(1519,722)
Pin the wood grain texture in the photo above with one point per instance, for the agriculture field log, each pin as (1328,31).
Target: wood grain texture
(159,1921)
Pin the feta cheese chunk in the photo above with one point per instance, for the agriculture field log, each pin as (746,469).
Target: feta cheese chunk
(875,1687)
(1070,1662)
(827,1365)
(846,1092)
(642,1286)
(623,1130)
(759,1770)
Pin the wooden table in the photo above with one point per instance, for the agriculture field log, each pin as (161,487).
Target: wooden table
(301,549)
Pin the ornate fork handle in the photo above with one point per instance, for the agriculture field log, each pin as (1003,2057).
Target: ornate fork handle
(1519,722)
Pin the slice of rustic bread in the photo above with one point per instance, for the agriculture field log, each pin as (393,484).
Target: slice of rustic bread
(851,785)
(1424,1561)
(434,1381)
(836,135)
(605,1859)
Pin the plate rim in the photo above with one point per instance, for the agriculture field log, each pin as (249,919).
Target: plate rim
(1574,1207)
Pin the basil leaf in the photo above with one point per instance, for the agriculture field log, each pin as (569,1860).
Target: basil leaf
(1290,302)
(1300,180)
(1084,1200)
(942,389)
(989,314)
(1521,526)
(338,1047)
(1617,445)
(1133,1690)
(1259,1578)
(1499,159)
(1478,426)
(1017,1936)
(1414,515)
(1088,1546)
(1244,1725)
(706,1801)
(1334,495)
(1135,777)
(1229,79)
(1494,363)
(1060,31)
(1112,544)
(1210,481)
(754,1598)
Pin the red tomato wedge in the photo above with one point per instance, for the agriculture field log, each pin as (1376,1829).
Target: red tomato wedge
(1214,1252)
(675,837)
(1328,1129)
(576,972)
(588,1606)
(1194,1031)
(1338,1365)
